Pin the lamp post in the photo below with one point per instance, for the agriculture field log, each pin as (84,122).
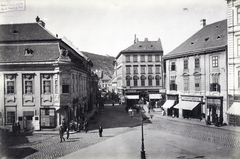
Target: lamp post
(131,113)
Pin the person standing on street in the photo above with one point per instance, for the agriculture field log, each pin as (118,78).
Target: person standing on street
(61,133)
(100,129)
(86,126)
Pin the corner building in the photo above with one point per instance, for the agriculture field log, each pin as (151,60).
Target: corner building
(43,78)
(196,75)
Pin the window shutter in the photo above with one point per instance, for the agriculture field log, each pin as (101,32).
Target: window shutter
(176,87)
(219,88)
(211,87)
(170,86)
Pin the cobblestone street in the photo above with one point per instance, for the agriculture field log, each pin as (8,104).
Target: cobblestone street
(115,121)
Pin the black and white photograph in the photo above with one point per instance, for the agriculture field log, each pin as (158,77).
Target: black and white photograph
(119,79)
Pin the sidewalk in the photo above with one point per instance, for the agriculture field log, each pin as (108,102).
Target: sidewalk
(55,130)
(158,114)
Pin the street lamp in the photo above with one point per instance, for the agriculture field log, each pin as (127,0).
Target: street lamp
(131,113)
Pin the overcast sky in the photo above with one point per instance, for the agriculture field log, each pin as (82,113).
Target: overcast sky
(108,26)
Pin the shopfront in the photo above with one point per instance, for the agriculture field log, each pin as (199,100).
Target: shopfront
(172,99)
(190,107)
(214,110)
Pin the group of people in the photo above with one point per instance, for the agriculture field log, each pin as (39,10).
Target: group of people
(64,128)
(16,129)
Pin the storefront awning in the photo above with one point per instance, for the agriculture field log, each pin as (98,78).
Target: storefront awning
(132,96)
(155,96)
(186,105)
(168,104)
(234,109)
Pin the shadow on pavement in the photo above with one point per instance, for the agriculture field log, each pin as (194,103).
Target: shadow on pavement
(17,153)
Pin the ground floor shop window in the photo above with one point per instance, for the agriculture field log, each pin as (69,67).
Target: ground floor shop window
(47,118)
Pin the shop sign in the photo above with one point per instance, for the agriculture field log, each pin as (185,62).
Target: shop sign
(197,99)
(214,101)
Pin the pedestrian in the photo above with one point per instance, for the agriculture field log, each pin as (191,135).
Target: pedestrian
(18,129)
(61,133)
(100,129)
(14,129)
(86,126)
(126,108)
(67,130)
(64,125)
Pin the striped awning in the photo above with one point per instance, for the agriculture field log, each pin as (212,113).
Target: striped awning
(234,109)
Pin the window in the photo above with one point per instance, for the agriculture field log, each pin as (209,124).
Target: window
(185,64)
(142,69)
(73,83)
(135,82)
(135,69)
(214,86)
(238,15)
(215,61)
(10,117)
(157,78)
(238,47)
(128,70)
(10,84)
(150,78)
(10,87)
(173,85)
(157,58)
(128,82)
(150,69)
(56,86)
(28,84)
(173,66)
(142,58)
(135,58)
(238,79)
(143,80)
(197,82)
(46,84)
(157,67)
(65,85)
(127,58)
(197,64)
(186,83)
(149,58)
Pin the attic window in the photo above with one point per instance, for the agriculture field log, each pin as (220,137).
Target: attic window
(217,27)
(218,37)
(140,45)
(28,52)
(192,42)
(206,39)
(151,45)
(15,31)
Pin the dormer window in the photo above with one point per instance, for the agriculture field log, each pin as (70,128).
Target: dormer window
(192,42)
(28,52)
(218,37)
(15,31)
(206,39)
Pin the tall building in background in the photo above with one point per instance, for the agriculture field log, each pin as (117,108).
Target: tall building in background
(139,71)
(234,61)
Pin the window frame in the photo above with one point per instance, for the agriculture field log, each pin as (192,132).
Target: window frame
(149,58)
(186,83)
(214,61)
(65,85)
(197,63)
(173,66)
(142,58)
(185,64)
(135,58)
(128,58)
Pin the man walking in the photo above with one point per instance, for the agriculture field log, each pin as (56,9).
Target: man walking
(100,129)
(61,133)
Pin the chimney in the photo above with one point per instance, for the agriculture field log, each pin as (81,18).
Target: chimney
(146,39)
(135,38)
(40,22)
(203,22)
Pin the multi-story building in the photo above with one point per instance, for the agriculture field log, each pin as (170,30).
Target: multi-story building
(43,78)
(234,61)
(138,70)
(196,75)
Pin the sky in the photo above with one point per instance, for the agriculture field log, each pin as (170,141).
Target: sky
(107,27)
